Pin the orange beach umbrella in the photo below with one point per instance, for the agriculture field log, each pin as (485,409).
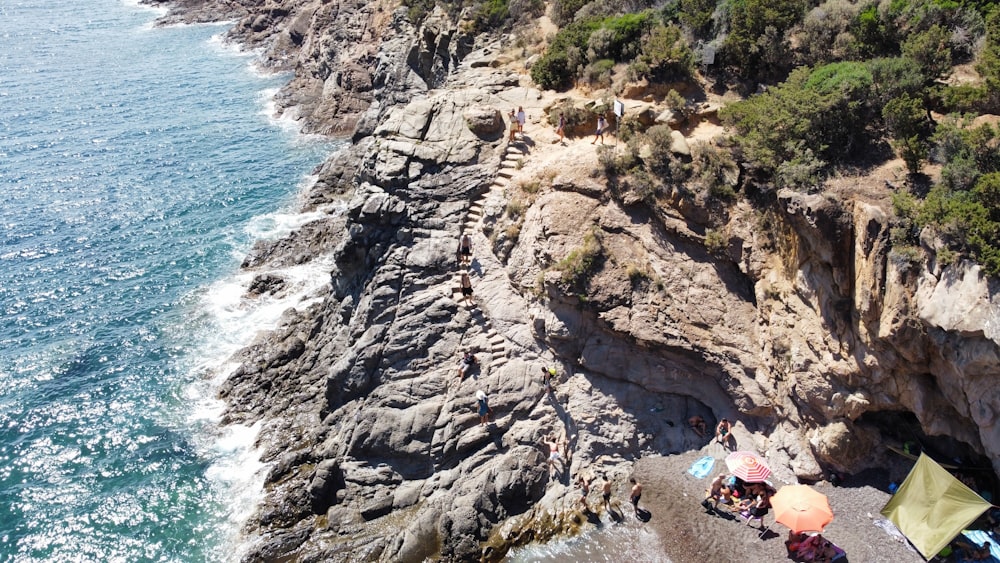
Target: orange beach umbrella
(801,508)
(748,466)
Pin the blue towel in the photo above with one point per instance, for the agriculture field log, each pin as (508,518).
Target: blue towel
(702,467)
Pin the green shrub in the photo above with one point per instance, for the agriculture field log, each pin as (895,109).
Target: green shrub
(756,40)
(963,98)
(581,263)
(636,275)
(563,11)
(696,15)
(491,14)
(515,208)
(814,117)
(906,120)
(716,242)
(824,36)
(666,54)
(931,50)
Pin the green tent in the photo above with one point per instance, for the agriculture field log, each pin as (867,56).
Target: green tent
(931,507)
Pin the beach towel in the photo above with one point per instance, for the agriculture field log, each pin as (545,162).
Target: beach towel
(701,468)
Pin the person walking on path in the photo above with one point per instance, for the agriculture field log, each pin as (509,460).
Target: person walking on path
(636,494)
(465,248)
(520,120)
(484,408)
(561,130)
(466,288)
(601,125)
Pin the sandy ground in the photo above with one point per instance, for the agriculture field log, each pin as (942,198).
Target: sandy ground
(690,534)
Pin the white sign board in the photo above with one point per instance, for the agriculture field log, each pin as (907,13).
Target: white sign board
(619,108)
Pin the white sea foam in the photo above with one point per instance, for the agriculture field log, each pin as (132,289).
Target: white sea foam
(231,321)
(158,10)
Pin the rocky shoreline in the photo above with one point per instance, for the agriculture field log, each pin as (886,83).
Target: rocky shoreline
(801,328)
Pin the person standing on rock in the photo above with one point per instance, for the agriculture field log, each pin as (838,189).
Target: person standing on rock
(513,124)
(484,408)
(554,454)
(520,120)
(466,288)
(584,492)
(606,493)
(561,130)
(636,494)
(599,134)
(465,248)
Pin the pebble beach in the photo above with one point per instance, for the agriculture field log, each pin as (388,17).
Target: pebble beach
(690,534)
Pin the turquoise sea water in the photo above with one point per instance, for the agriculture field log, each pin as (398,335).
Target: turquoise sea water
(137,167)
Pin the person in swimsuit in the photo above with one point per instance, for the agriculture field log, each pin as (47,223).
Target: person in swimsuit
(465,249)
(584,492)
(561,130)
(636,494)
(554,454)
(722,432)
(466,288)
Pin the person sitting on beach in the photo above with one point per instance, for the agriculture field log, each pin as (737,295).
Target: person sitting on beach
(756,505)
(697,423)
(974,552)
(723,432)
(465,364)
(809,547)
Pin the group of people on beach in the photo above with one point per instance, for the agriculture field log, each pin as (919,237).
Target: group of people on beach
(635,493)
(750,500)
(723,430)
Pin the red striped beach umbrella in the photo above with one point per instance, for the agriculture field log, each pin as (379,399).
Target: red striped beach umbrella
(748,466)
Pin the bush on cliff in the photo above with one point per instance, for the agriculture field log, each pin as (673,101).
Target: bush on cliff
(586,44)
(581,263)
(815,117)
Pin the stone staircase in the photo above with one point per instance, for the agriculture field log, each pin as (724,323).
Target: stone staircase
(514,154)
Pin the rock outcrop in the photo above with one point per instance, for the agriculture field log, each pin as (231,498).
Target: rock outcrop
(805,327)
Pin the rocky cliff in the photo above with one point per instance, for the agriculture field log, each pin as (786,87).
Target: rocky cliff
(805,328)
